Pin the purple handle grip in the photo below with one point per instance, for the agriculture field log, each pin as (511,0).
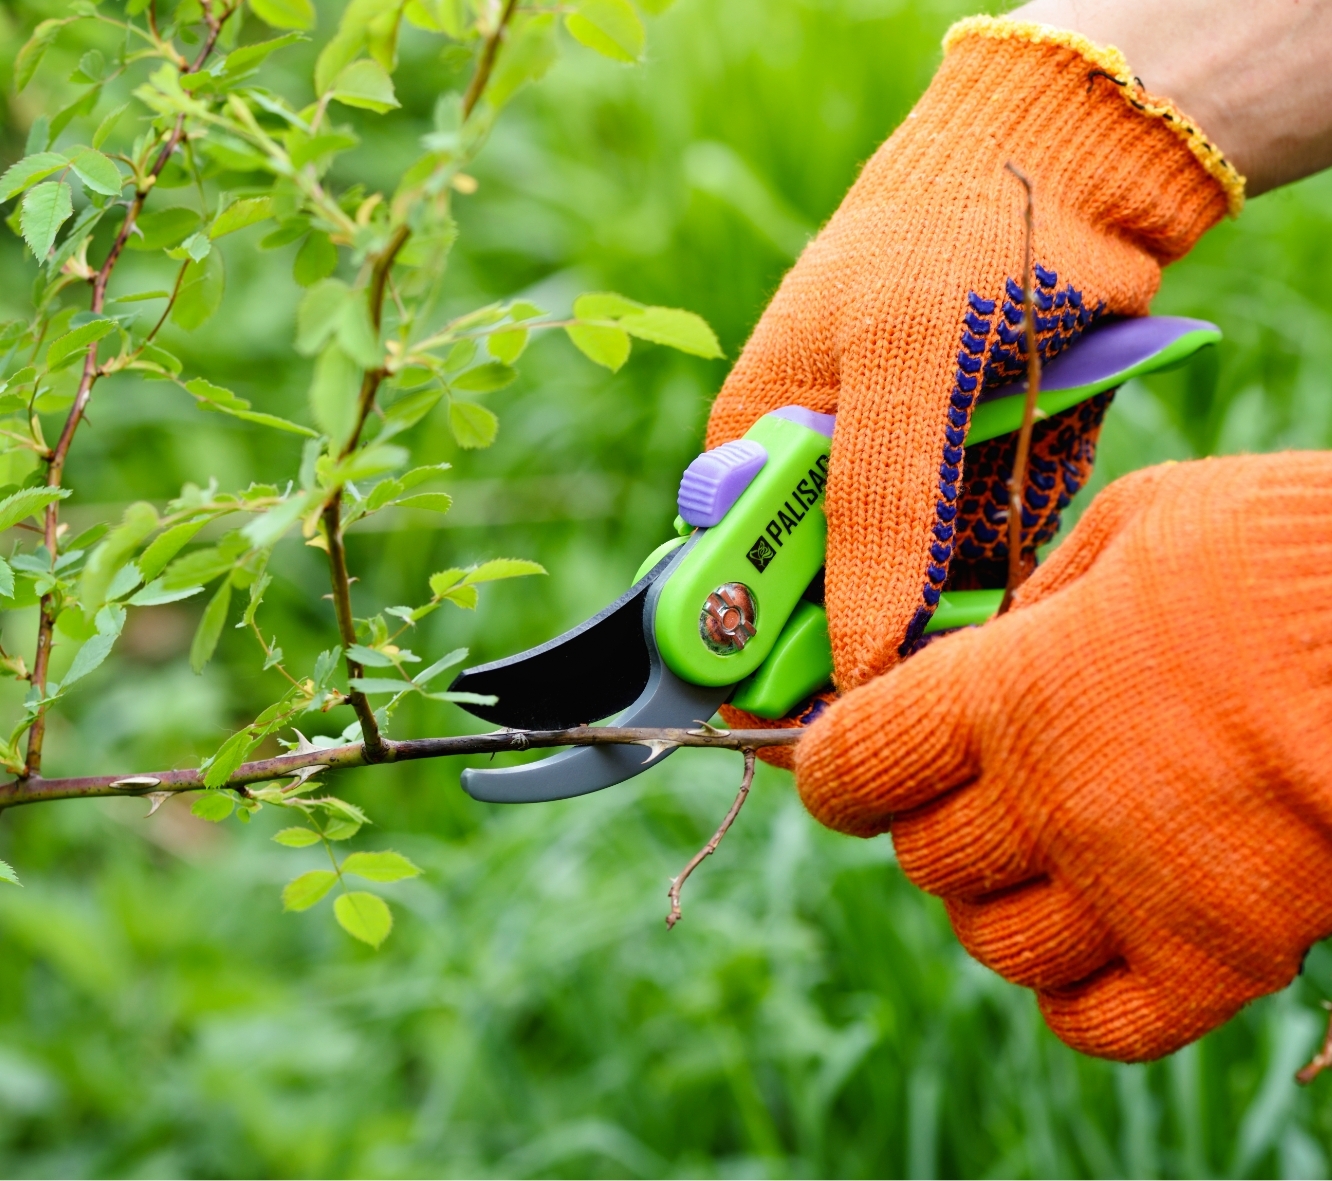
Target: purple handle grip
(715,479)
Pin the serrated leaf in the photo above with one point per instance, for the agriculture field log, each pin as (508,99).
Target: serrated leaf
(434,502)
(383,866)
(44,210)
(604,345)
(604,305)
(98,173)
(372,686)
(89,657)
(200,292)
(318,315)
(34,49)
(198,568)
(230,755)
(473,426)
(296,837)
(369,656)
(214,806)
(498,568)
(108,125)
(163,228)
(356,335)
(364,916)
(675,328)
(65,348)
(250,57)
(7,873)
(426,675)
(210,627)
(303,892)
(25,502)
(214,397)
(507,346)
(365,84)
(6,580)
(139,521)
(155,594)
(333,393)
(316,259)
(154,559)
(494,375)
(267,529)
(285,14)
(246,212)
(611,27)
(27,172)
(407,411)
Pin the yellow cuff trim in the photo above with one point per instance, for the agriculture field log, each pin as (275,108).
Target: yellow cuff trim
(1113,62)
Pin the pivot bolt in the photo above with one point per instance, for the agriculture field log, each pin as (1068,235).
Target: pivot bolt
(727,621)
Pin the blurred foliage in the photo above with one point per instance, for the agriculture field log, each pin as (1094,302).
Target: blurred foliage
(812,1014)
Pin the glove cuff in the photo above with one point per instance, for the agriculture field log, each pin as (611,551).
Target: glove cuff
(1074,116)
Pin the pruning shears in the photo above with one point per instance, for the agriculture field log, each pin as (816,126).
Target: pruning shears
(731,609)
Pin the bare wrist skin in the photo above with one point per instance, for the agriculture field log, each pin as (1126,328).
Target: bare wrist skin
(1255,74)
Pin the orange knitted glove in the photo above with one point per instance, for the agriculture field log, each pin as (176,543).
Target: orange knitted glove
(906,308)
(1123,788)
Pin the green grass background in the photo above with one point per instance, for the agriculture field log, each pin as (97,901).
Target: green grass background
(812,1016)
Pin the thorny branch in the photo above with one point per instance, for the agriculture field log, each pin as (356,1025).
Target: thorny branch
(55,461)
(33,789)
(1022,457)
(711,847)
(486,62)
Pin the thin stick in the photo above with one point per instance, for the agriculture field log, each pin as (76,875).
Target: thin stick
(486,62)
(1021,460)
(711,847)
(35,789)
(1323,1059)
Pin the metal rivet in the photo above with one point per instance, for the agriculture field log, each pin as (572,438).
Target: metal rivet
(728,619)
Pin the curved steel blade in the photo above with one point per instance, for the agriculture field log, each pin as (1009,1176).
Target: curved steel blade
(666,700)
(590,672)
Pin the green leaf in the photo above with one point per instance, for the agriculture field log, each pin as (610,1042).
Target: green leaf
(303,892)
(318,315)
(246,212)
(296,837)
(611,27)
(6,580)
(45,209)
(155,594)
(139,520)
(210,628)
(364,916)
(30,56)
(89,657)
(507,346)
(97,172)
(494,375)
(155,558)
(267,529)
(604,305)
(285,14)
(372,686)
(108,125)
(673,327)
(363,655)
(498,568)
(528,53)
(230,755)
(333,393)
(249,57)
(199,568)
(214,806)
(214,397)
(163,228)
(435,502)
(385,866)
(606,346)
(316,259)
(65,348)
(473,426)
(25,503)
(200,292)
(407,411)
(365,84)
(28,171)
(7,873)
(426,675)
(357,336)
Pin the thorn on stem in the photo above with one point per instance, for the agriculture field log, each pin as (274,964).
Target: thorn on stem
(711,847)
(1323,1059)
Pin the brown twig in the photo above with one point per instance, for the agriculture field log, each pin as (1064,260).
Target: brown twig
(55,466)
(1022,458)
(486,62)
(711,847)
(1323,1059)
(34,789)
